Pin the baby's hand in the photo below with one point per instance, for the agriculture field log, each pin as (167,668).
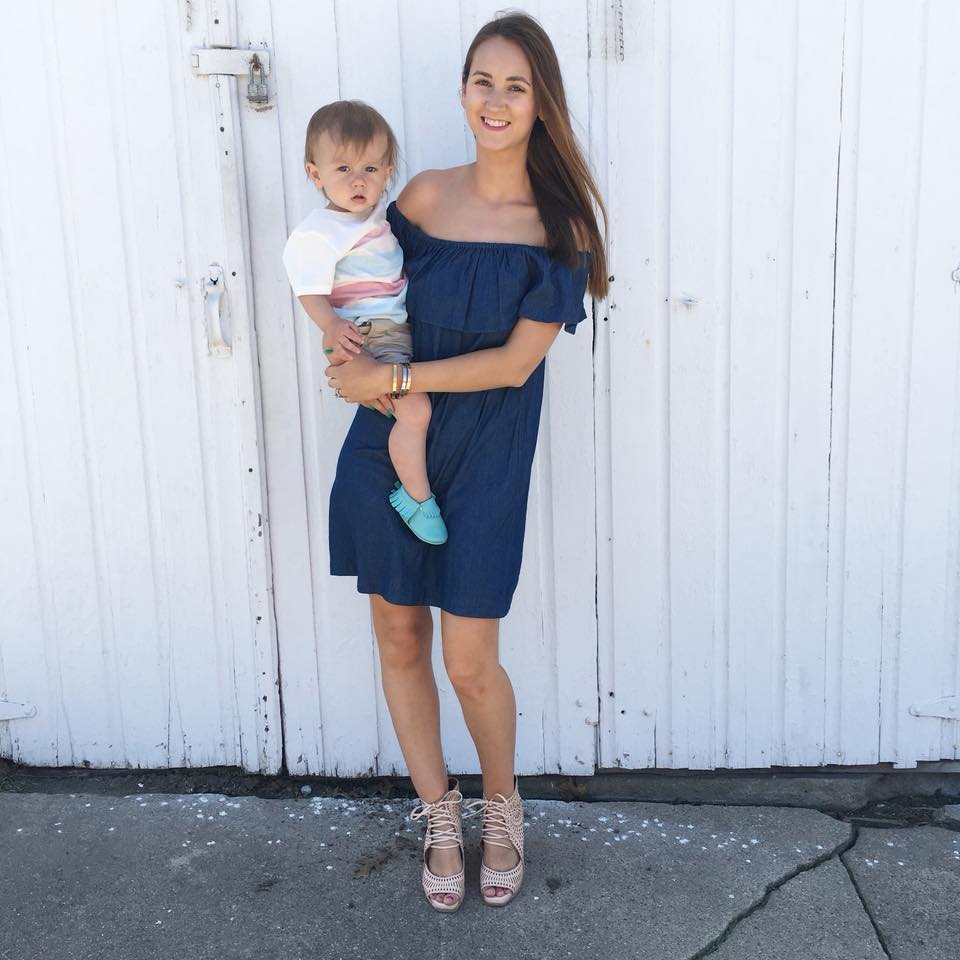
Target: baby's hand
(342,341)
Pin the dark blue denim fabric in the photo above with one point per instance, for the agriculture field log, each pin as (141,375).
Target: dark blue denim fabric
(461,296)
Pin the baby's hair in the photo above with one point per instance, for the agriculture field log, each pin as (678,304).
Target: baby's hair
(351,122)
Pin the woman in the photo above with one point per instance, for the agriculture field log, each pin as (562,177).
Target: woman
(498,254)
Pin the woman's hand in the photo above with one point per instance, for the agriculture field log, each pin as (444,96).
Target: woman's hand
(362,380)
(384,404)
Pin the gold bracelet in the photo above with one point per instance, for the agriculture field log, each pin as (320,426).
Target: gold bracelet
(393,382)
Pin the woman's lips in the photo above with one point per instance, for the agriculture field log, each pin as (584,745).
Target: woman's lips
(500,125)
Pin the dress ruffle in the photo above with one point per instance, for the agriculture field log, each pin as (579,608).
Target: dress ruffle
(483,287)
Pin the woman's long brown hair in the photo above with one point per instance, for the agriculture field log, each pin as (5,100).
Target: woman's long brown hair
(562,183)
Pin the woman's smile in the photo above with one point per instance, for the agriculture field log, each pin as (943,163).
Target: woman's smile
(492,124)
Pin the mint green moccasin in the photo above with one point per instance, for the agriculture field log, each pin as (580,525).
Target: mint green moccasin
(423,519)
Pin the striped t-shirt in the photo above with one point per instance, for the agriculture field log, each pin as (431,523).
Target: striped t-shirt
(353,258)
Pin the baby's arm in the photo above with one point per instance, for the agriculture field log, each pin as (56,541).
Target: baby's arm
(341,338)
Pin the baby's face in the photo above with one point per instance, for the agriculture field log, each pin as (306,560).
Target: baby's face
(352,178)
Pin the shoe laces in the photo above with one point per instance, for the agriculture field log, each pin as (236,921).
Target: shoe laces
(441,820)
(495,819)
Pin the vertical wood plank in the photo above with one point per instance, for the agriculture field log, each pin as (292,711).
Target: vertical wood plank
(631,356)
(927,630)
(699,382)
(815,148)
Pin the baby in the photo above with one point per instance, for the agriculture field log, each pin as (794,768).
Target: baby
(346,269)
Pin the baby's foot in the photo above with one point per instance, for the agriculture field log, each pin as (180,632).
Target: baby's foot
(423,518)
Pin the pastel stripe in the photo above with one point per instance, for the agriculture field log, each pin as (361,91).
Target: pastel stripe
(343,294)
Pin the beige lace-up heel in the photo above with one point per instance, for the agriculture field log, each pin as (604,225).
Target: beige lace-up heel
(502,827)
(444,830)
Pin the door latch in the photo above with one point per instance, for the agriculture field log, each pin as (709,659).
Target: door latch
(213,298)
(231,62)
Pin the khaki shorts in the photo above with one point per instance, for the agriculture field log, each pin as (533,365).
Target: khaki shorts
(387,341)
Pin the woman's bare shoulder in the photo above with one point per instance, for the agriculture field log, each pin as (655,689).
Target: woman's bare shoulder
(423,191)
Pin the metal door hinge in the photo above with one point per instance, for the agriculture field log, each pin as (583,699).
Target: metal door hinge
(946,708)
(11,710)
(231,62)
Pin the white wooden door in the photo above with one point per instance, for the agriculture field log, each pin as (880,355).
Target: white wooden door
(335,718)
(778,385)
(134,579)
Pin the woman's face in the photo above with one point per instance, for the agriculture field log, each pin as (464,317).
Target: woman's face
(498,98)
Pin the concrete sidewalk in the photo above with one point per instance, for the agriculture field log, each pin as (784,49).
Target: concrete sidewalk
(93,877)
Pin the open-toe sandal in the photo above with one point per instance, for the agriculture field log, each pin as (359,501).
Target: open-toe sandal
(502,827)
(444,831)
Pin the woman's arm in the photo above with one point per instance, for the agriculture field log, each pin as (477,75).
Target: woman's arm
(508,366)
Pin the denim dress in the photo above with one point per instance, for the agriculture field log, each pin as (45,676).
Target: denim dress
(461,296)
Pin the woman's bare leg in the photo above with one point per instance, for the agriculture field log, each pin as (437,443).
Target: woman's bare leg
(404,638)
(471,656)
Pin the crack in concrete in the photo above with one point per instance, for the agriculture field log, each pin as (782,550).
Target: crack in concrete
(842,847)
(863,900)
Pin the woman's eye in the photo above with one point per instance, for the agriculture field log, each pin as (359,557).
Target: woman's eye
(519,89)
(482,83)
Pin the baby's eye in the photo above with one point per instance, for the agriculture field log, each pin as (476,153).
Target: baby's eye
(371,169)
(342,167)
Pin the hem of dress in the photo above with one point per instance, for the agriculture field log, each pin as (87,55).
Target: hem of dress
(390,597)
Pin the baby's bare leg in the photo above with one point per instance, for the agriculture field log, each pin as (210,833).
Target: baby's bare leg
(407,443)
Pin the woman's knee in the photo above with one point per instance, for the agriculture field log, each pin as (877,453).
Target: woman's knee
(470,673)
(471,679)
(404,634)
(470,653)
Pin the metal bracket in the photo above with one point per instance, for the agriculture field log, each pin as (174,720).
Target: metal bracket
(230,62)
(946,708)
